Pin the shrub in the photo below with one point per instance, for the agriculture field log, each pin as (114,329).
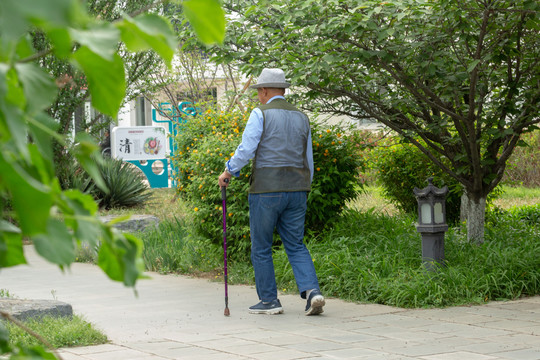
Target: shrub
(125,183)
(337,165)
(401,167)
(208,140)
(204,143)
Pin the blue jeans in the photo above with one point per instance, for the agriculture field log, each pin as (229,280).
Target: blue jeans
(284,211)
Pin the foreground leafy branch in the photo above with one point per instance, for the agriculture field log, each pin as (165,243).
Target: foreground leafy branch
(32,202)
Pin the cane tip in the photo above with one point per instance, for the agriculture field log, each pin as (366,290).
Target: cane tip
(226,312)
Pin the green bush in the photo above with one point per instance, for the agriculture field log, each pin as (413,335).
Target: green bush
(125,182)
(204,144)
(337,165)
(401,167)
(208,140)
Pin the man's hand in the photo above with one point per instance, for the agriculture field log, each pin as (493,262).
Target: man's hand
(221,180)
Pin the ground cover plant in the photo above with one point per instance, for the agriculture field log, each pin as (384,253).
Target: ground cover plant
(375,257)
(58,332)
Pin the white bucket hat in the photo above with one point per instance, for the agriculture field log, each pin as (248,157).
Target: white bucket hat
(271,78)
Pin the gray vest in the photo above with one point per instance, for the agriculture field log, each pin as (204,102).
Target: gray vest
(280,163)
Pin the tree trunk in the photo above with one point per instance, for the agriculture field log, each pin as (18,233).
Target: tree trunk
(473,211)
(464,208)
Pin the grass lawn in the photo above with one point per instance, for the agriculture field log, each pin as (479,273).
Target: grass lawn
(518,196)
(166,205)
(372,255)
(57,331)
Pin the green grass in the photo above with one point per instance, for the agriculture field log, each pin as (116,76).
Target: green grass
(4,293)
(517,196)
(373,255)
(372,198)
(375,258)
(57,331)
(170,248)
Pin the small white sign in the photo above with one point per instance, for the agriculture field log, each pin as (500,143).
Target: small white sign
(139,143)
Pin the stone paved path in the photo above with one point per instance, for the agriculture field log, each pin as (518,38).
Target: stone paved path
(175,317)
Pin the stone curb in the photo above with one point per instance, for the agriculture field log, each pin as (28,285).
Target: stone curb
(32,309)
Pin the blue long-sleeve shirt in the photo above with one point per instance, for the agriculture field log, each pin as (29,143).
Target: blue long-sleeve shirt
(250,141)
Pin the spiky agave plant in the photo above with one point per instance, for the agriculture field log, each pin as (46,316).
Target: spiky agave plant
(126,184)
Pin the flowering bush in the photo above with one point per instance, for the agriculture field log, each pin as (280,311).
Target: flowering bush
(208,140)
(204,143)
(337,164)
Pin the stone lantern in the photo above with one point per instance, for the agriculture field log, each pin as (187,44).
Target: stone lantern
(432,223)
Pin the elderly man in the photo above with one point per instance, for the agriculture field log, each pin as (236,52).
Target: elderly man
(278,139)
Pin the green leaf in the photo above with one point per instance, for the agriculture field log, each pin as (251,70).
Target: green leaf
(109,260)
(106,80)
(14,93)
(101,39)
(16,15)
(38,86)
(4,339)
(24,47)
(83,208)
(87,153)
(120,257)
(61,40)
(14,120)
(149,31)
(86,203)
(56,245)
(43,129)
(31,199)
(472,65)
(11,250)
(32,353)
(207,19)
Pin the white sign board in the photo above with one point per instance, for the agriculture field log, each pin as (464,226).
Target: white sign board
(139,143)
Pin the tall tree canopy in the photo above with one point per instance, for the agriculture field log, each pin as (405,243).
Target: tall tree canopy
(464,77)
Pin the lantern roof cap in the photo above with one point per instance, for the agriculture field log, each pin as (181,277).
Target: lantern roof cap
(430,189)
